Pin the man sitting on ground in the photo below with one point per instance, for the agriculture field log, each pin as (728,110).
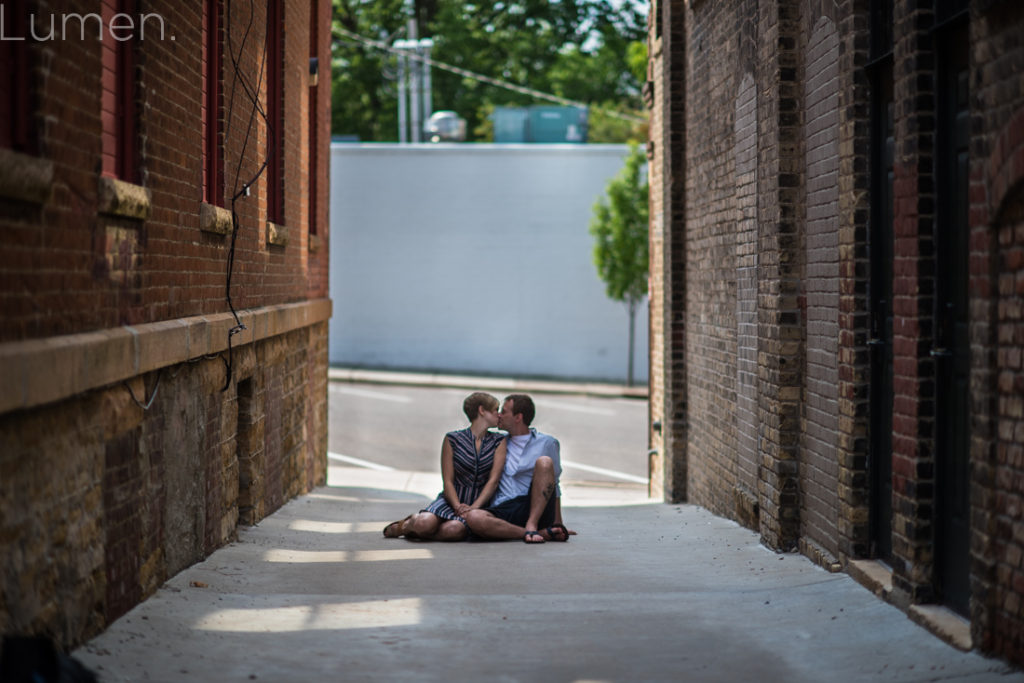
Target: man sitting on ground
(527,504)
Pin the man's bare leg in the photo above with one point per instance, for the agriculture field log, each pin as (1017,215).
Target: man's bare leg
(542,487)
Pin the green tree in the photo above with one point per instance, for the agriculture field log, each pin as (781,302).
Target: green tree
(619,228)
(577,49)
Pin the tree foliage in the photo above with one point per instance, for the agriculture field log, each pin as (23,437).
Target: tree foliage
(619,228)
(580,50)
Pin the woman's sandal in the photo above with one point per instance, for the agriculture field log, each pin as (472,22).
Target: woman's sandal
(394,530)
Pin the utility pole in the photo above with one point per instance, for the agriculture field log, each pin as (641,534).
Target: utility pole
(425,46)
(416,68)
(401,95)
(414,83)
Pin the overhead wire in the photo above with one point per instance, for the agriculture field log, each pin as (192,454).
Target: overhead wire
(466,73)
(252,92)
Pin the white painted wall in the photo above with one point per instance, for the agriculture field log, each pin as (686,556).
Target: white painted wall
(474,258)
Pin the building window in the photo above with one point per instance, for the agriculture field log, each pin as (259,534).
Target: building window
(275,111)
(314,130)
(213,113)
(16,131)
(118,100)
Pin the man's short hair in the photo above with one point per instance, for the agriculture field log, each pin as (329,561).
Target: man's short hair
(478,399)
(523,405)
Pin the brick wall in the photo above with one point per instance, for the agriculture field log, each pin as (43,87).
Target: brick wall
(667,147)
(101,270)
(997,332)
(103,501)
(797,468)
(745,155)
(779,272)
(853,368)
(654,98)
(140,424)
(913,288)
(710,245)
(819,465)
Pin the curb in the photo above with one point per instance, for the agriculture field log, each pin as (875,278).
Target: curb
(499,384)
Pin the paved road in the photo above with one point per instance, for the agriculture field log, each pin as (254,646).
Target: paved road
(603,439)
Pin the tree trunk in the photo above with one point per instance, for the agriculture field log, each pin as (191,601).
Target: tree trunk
(632,329)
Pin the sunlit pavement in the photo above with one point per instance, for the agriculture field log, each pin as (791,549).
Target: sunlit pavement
(646,592)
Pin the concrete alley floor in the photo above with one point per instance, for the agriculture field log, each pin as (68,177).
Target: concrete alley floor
(646,592)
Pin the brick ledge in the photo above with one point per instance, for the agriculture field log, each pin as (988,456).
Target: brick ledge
(24,177)
(943,623)
(873,575)
(40,371)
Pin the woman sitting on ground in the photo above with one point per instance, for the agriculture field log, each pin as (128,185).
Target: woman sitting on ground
(472,460)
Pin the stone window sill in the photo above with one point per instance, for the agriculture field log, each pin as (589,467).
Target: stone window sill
(314,244)
(24,177)
(215,219)
(277,235)
(120,198)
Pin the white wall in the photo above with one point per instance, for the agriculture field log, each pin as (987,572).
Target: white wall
(474,258)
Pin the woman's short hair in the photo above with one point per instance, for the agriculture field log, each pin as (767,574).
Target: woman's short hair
(478,399)
(523,405)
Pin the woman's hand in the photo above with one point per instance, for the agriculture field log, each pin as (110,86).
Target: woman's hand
(462,509)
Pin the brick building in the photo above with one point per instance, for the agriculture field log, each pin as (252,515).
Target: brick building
(837,276)
(163,254)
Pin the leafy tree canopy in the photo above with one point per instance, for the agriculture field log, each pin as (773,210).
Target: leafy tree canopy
(588,51)
(619,228)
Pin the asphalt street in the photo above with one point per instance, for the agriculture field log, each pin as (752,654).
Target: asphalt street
(603,439)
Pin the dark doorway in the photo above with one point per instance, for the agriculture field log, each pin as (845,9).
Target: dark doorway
(880,255)
(952,350)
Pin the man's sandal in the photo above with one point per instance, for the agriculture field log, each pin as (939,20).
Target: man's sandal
(561,528)
(532,534)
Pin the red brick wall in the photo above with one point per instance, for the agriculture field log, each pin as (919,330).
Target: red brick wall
(130,453)
(913,369)
(67,268)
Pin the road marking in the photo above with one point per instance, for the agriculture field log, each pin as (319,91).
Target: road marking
(379,395)
(558,405)
(565,463)
(607,473)
(361,463)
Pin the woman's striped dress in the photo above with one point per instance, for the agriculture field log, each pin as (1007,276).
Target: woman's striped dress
(472,469)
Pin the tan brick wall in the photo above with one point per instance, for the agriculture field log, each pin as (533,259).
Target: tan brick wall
(710,244)
(819,466)
(655,100)
(667,146)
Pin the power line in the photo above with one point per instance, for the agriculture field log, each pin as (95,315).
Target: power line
(487,79)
